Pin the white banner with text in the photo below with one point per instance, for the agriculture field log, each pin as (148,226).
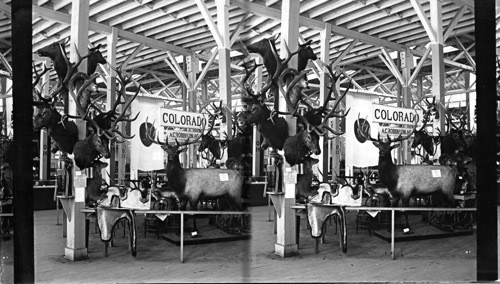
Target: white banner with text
(395,115)
(181,119)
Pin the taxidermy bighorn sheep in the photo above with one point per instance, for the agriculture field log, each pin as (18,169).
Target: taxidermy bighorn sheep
(193,184)
(405,181)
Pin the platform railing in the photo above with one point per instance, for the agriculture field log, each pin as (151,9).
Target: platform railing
(393,210)
(181,213)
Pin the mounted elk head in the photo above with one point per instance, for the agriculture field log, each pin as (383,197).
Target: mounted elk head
(266,49)
(319,116)
(454,140)
(64,68)
(271,126)
(63,132)
(240,144)
(107,119)
(421,136)
(208,141)
(100,133)
(95,57)
(57,53)
(306,141)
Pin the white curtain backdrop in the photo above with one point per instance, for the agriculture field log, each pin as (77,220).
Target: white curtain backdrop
(359,154)
(142,157)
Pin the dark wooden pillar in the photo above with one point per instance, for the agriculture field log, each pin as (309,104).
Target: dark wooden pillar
(487,246)
(24,269)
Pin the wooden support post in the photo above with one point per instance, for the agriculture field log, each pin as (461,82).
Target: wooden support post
(256,152)
(75,241)
(406,60)
(225,63)
(44,165)
(112,40)
(286,243)
(192,65)
(325,36)
(487,200)
(392,233)
(23,256)
(467,98)
(438,75)
(44,150)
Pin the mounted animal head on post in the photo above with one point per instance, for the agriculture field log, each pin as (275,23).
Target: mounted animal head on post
(267,49)
(60,129)
(106,119)
(172,151)
(271,126)
(64,68)
(100,134)
(95,57)
(454,140)
(306,141)
(421,136)
(57,53)
(208,141)
(318,116)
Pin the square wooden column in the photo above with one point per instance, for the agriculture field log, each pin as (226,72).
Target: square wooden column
(75,239)
(438,74)
(286,242)
(112,39)
(224,63)
(256,152)
(406,64)
(325,36)
(192,68)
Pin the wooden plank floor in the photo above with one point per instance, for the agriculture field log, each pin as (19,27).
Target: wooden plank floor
(367,258)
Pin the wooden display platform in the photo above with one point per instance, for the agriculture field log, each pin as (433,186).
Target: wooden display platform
(421,231)
(206,234)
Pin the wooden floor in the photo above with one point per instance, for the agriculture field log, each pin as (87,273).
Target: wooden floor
(367,259)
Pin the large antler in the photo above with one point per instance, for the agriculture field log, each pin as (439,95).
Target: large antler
(323,128)
(150,130)
(178,145)
(72,70)
(259,96)
(38,76)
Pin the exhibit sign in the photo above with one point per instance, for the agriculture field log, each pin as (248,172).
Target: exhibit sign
(181,119)
(393,132)
(395,115)
(181,136)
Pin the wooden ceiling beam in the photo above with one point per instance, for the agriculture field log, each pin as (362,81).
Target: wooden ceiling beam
(453,23)
(98,27)
(424,20)
(5,9)
(318,25)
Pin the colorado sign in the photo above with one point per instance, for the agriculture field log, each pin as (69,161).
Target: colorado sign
(181,119)
(395,115)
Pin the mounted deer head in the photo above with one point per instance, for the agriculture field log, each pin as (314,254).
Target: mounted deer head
(385,146)
(421,136)
(173,151)
(95,57)
(208,141)
(109,120)
(63,132)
